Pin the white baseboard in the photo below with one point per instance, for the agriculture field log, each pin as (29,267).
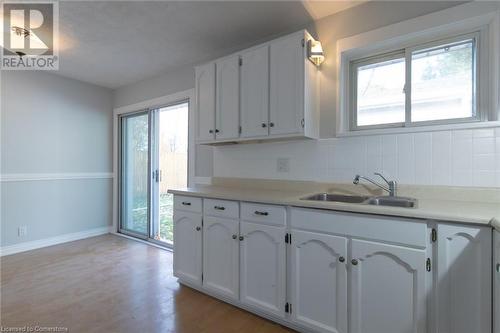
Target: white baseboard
(36,244)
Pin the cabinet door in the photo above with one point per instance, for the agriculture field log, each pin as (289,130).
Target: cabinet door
(255,93)
(205,102)
(228,99)
(388,288)
(262,267)
(496,263)
(187,246)
(319,281)
(287,85)
(221,256)
(463,285)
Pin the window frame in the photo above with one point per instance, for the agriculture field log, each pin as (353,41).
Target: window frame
(406,53)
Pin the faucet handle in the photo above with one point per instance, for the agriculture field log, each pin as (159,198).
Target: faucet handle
(381,176)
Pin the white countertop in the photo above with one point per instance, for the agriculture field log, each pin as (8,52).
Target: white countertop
(486,212)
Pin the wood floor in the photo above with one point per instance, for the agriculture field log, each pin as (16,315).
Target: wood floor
(111,284)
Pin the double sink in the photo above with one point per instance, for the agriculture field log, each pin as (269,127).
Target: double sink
(391,201)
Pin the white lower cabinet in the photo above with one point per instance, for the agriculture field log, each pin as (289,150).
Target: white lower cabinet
(319,281)
(463,281)
(262,267)
(187,246)
(353,273)
(388,292)
(220,256)
(496,274)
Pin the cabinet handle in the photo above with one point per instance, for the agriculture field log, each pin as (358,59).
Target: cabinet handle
(341,259)
(264,125)
(217,131)
(271,124)
(261,213)
(235,236)
(219,207)
(210,131)
(185,203)
(354,262)
(241,238)
(198,228)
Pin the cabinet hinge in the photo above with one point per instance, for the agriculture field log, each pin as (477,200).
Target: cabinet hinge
(240,61)
(288,307)
(201,277)
(303,42)
(239,129)
(302,122)
(428,264)
(434,235)
(288,238)
(202,222)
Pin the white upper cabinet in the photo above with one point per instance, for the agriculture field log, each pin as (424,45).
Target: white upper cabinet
(287,59)
(319,281)
(255,92)
(205,102)
(272,94)
(388,288)
(227,98)
(463,279)
(262,267)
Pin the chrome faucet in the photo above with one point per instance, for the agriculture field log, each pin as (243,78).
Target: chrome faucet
(391,184)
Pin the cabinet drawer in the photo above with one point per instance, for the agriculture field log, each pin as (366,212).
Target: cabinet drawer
(222,208)
(373,227)
(187,204)
(269,214)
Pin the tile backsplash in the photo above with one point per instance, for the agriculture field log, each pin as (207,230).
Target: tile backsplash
(456,158)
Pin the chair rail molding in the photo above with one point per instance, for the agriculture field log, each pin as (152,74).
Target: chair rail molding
(23,177)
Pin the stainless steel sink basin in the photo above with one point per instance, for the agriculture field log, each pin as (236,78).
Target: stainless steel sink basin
(404,202)
(392,201)
(336,198)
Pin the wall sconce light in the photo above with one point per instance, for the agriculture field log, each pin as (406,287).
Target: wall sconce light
(315,52)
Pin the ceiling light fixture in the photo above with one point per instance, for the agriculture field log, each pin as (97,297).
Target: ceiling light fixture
(315,52)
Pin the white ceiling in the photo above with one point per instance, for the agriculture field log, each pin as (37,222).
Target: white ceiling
(113,43)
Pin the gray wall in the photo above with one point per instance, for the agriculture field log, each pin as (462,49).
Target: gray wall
(365,17)
(54,125)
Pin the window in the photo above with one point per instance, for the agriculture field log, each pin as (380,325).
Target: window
(425,84)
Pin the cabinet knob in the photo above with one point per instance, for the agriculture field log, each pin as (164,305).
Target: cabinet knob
(354,262)
(264,125)
(241,238)
(341,259)
(235,236)
(210,131)
(217,131)
(198,228)
(271,124)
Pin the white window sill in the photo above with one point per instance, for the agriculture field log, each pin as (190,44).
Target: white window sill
(417,129)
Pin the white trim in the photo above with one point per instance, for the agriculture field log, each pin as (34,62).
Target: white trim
(475,16)
(150,103)
(36,244)
(24,177)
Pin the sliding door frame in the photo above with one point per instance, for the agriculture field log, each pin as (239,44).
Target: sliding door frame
(124,231)
(148,106)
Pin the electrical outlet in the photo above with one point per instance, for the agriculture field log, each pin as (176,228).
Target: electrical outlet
(283,165)
(22,231)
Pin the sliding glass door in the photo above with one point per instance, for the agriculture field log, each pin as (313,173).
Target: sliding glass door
(153,159)
(170,166)
(135,174)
